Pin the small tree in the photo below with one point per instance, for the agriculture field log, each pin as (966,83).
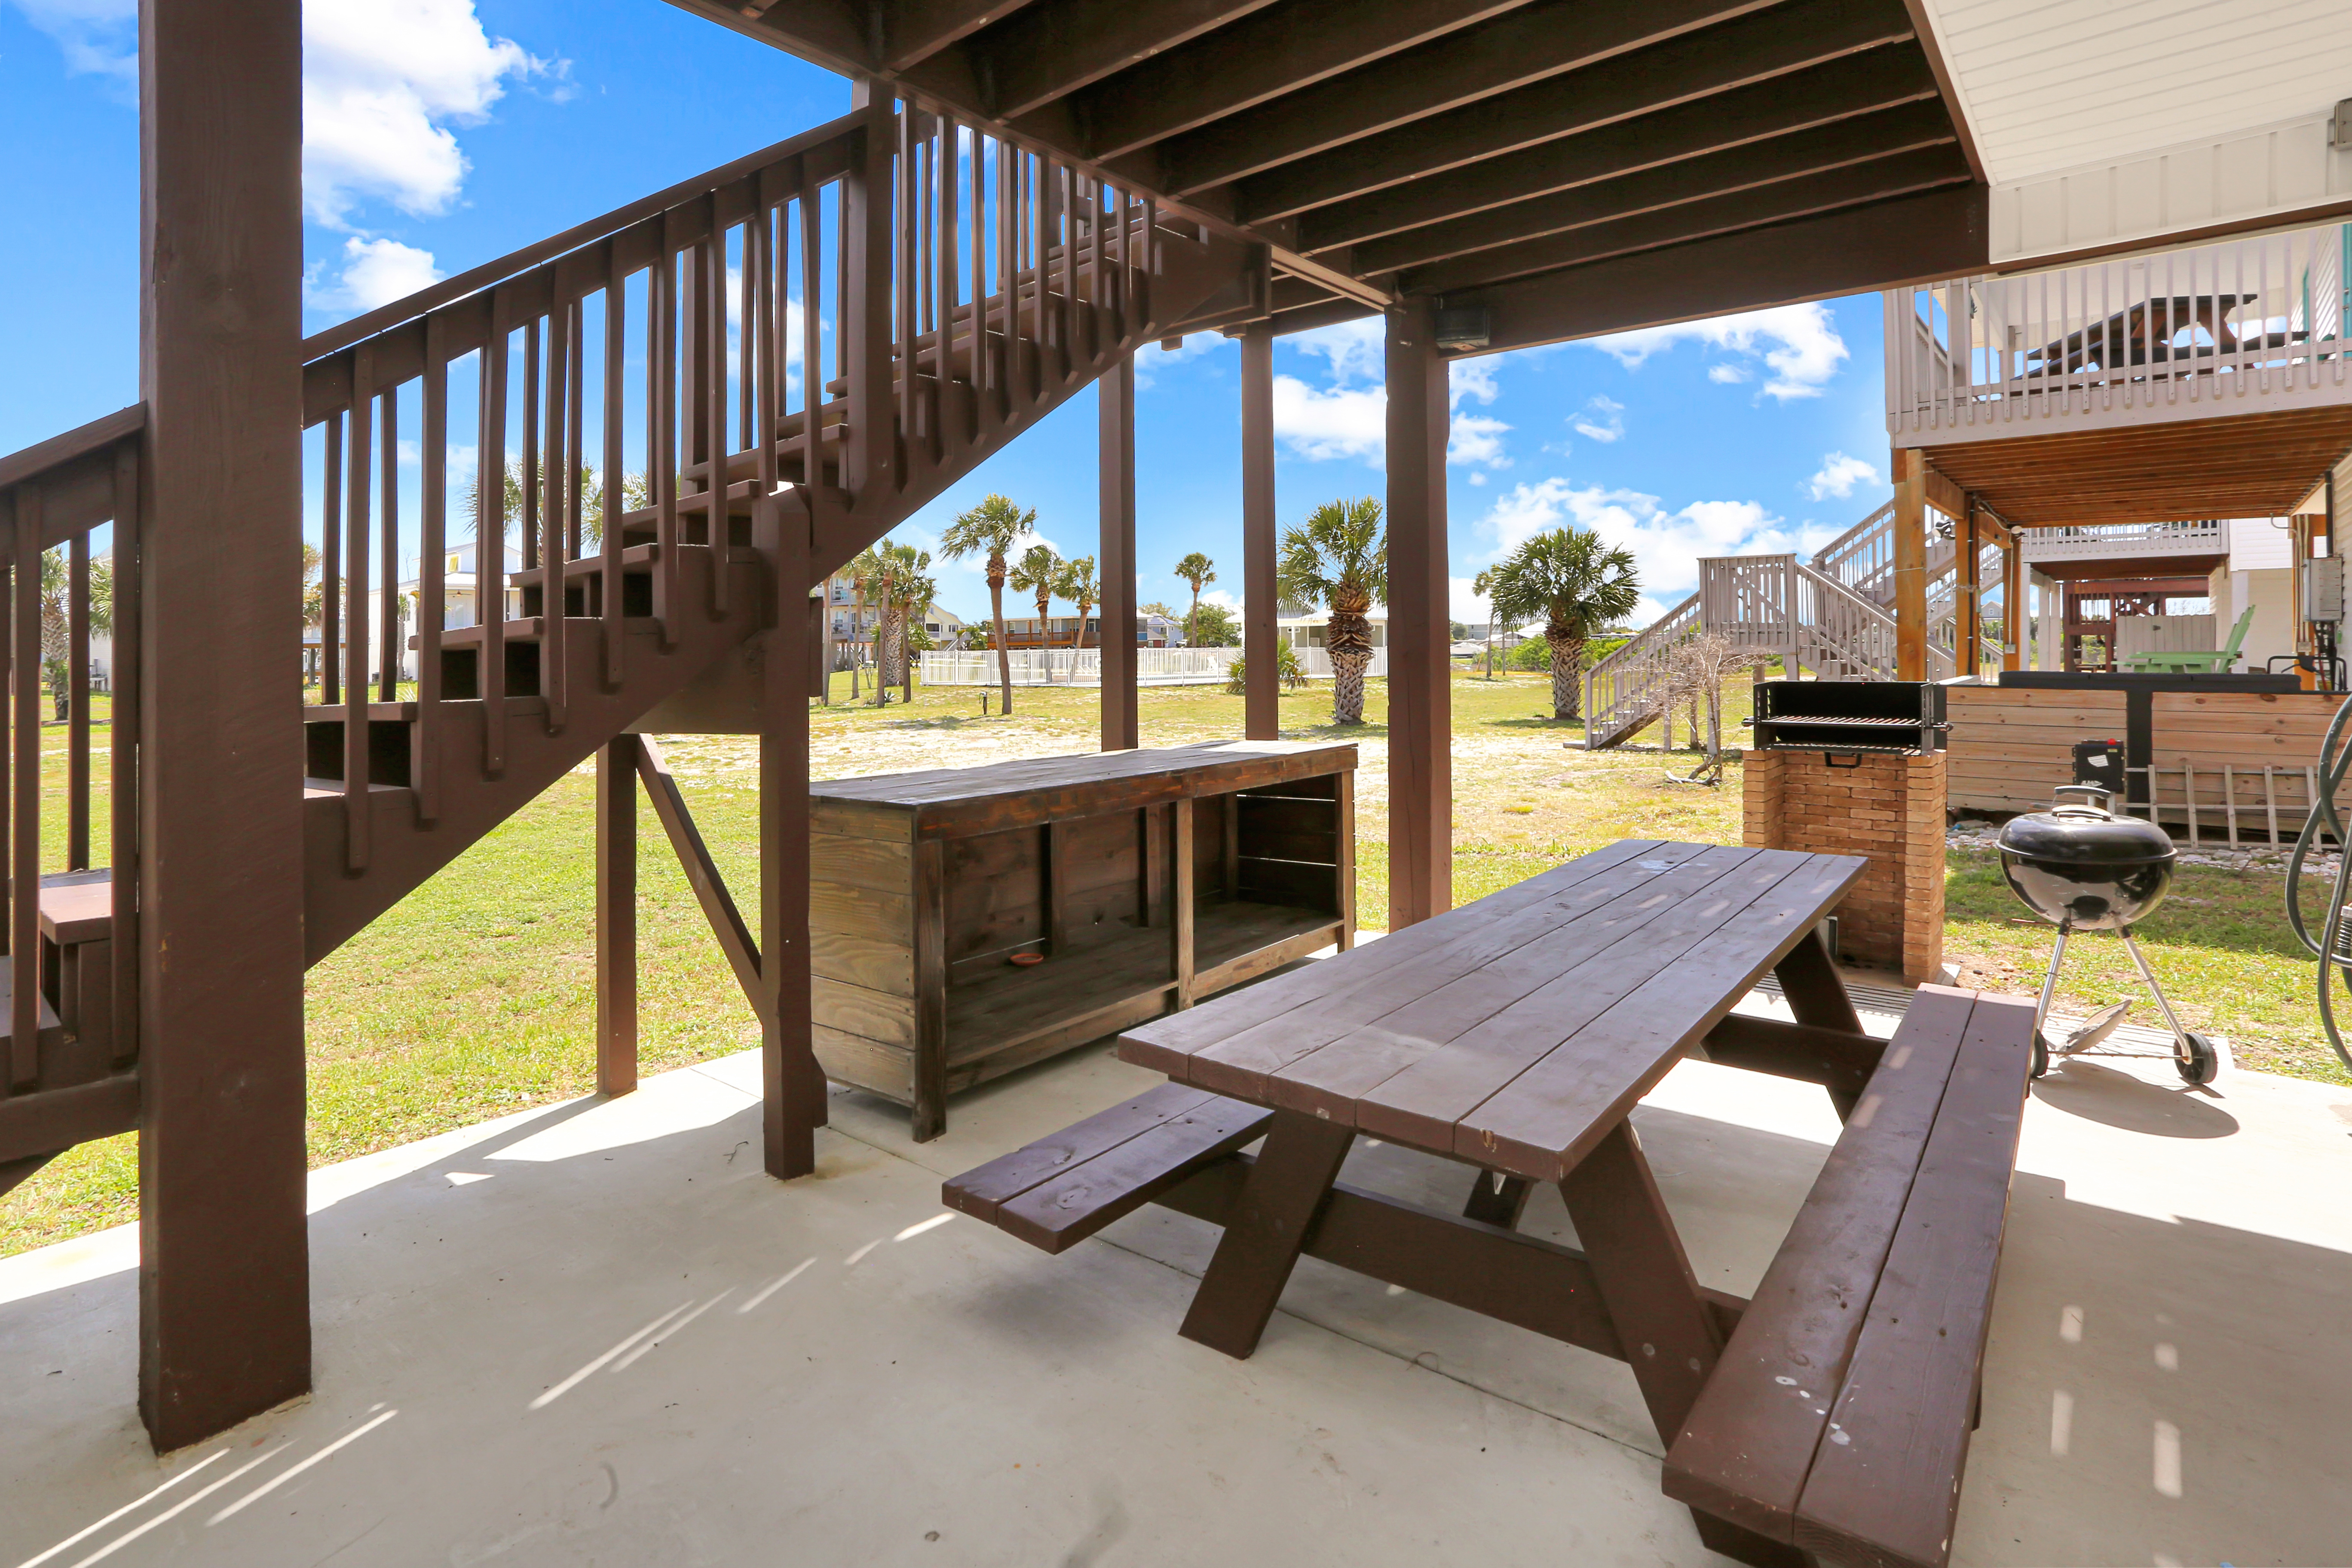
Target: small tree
(1197,570)
(992,528)
(1078,585)
(1217,627)
(907,591)
(1483,585)
(1578,584)
(1340,557)
(864,575)
(1695,670)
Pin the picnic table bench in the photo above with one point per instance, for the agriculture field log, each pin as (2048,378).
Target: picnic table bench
(1827,1419)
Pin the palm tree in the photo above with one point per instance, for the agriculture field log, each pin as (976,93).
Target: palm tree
(1578,582)
(905,592)
(863,572)
(1039,575)
(1200,572)
(1340,557)
(57,620)
(1077,584)
(993,526)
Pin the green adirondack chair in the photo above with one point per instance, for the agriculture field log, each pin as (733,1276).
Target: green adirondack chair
(2214,662)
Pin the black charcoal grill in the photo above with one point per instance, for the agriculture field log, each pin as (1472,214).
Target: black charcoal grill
(2081,867)
(1844,717)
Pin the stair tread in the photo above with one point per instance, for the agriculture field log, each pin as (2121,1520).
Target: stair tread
(406,712)
(77,906)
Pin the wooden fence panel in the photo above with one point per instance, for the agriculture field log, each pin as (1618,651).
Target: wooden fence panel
(2009,746)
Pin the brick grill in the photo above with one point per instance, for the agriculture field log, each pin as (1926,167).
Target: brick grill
(1890,808)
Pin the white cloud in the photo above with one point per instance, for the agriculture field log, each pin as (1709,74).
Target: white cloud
(1797,343)
(97,38)
(1356,349)
(1728,375)
(1320,425)
(1477,441)
(383,83)
(1838,475)
(1464,603)
(1222,599)
(1152,359)
(375,272)
(1601,419)
(1666,546)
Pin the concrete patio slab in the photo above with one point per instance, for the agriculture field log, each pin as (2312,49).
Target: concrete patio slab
(596,1334)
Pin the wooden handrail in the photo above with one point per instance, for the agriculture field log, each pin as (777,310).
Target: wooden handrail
(44,457)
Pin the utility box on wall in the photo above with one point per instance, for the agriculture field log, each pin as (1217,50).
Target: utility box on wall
(1885,806)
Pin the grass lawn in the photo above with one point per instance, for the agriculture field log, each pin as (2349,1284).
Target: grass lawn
(474,996)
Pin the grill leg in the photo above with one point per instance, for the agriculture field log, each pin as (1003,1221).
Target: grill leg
(2178,1034)
(2050,981)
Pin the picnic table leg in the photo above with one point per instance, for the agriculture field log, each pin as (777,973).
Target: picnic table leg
(1817,995)
(1644,1278)
(1268,1226)
(1498,1199)
(1651,1295)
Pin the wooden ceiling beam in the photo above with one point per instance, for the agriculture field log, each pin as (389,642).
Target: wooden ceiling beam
(915,30)
(1683,70)
(1051,49)
(1880,245)
(1837,145)
(1877,180)
(1265,55)
(1550,39)
(1821,95)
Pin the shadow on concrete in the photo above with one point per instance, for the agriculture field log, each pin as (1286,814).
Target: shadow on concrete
(2102,1094)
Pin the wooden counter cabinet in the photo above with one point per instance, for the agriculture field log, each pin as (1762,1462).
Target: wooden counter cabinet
(1144,880)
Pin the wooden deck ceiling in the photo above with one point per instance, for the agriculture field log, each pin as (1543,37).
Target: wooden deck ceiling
(1570,167)
(2246,465)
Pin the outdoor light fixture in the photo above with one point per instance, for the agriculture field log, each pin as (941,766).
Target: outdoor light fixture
(1463,327)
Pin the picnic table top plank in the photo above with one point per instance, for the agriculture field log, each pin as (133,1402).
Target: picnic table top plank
(1168,1045)
(1273,1059)
(1471,1099)
(1885,1484)
(1745,1452)
(1577,962)
(1548,1116)
(1514,1031)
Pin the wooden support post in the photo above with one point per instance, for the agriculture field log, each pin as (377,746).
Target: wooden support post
(2014,593)
(793,1086)
(1967,596)
(1910,469)
(617,915)
(1262,706)
(1117,547)
(223,1254)
(1421,705)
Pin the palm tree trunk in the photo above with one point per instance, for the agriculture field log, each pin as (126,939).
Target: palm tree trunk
(1004,653)
(856,635)
(1347,687)
(1567,658)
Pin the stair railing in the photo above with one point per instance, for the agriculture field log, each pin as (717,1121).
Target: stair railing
(72,1023)
(856,311)
(1631,685)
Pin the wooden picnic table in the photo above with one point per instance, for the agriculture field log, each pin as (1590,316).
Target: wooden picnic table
(1515,1035)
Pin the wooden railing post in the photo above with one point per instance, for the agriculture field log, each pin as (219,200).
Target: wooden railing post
(793,1086)
(1420,707)
(866,197)
(223,1257)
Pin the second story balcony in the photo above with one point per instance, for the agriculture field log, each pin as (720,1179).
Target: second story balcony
(2238,326)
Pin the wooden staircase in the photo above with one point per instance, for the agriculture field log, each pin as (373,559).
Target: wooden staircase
(1831,617)
(787,357)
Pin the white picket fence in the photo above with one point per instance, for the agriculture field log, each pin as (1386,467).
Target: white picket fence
(1078,666)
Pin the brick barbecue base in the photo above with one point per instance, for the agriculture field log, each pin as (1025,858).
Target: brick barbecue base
(1890,808)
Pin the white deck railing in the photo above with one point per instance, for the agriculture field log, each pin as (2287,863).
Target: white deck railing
(2191,335)
(2099,541)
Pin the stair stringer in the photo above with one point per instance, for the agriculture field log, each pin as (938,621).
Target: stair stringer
(338,903)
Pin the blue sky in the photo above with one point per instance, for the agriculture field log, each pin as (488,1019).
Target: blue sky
(443,133)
